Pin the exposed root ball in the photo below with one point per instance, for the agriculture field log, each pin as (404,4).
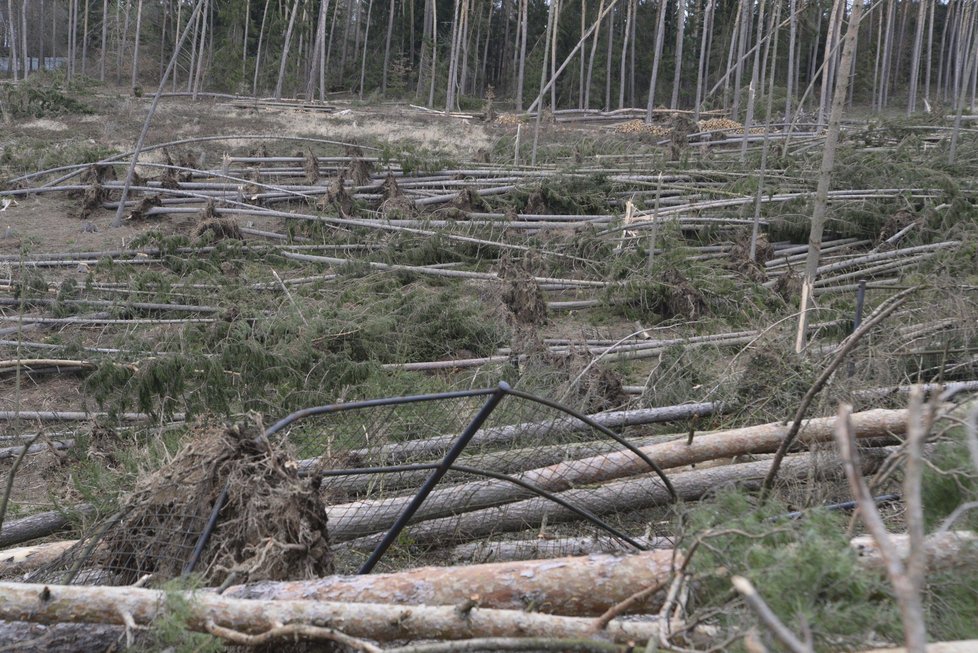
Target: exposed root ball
(311,166)
(272,525)
(218,229)
(523,297)
(359,171)
(536,204)
(788,286)
(92,200)
(145,204)
(390,189)
(468,200)
(740,260)
(99,172)
(680,298)
(337,197)
(894,225)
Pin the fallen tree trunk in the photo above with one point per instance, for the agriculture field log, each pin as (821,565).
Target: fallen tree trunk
(370,516)
(28,558)
(578,586)
(944,551)
(57,604)
(40,525)
(960,646)
(632,494)
(540,548)
(430,447)
(60,638)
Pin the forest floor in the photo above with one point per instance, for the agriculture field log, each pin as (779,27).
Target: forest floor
(351,252)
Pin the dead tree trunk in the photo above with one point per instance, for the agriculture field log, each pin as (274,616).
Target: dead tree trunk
(373,515)
(660,34)
(285,50)
(825,177)
(577,586)
(56,604)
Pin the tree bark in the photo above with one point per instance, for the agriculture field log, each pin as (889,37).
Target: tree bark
(387,44)
(632,494)
(680,36)
(571,586)
(660,33)
(624,55)
(825,178)
(590,64)
(56,604)
(285,50)
(918,44)
(15,562)
(135,47)
(436,446)
(373,515)
(366,41)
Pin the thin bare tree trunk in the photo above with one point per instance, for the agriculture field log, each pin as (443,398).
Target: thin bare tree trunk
(261,37)
(930,52)
(285,50)
(198,75)
(755,81)
(453,57)
(366,41)
(12,36)
(135,47)
(918,44)
(607,82)
(522,28)
(706,33)
(105,40)
(580,89)
(84,65)
(594,49)
(828,57)
(624,55)
(825,177)
(660,34)
(680,36)
(790,78)
(121,210)
(746,18)
(121,41)
(329,49)
(434,53)
(553,55)
(387,45)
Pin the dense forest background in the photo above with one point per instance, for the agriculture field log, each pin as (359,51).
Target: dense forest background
(605,54)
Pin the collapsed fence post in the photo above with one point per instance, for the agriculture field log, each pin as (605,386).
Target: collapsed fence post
(436,475)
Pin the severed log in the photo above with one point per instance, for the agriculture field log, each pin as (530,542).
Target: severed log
(372,515)
(430,447)
(959,646)
(944,550)
(541,548)
(55,604)
(572,586)
(628,495)
(60,638)
(28,558)
(40,525)
(503,462)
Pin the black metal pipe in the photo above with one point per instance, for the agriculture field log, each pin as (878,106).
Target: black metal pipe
(436,475)
(205,534)
(354,405)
